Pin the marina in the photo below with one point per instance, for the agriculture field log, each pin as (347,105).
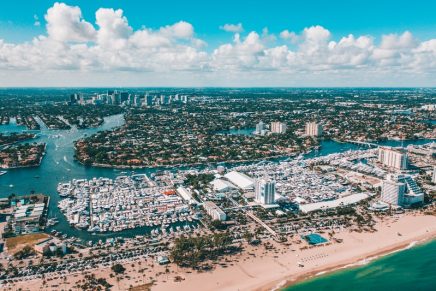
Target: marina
(54,169)
(127,202)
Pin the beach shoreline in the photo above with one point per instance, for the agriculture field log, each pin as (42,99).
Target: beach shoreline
(348,264)
(261,269)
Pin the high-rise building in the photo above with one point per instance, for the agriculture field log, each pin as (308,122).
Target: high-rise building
(393,190)
(164,99)
(74,98)
(124,96)
(401,190)
(265,191)
(313,129)
(131,100)
(184,98)
(278,127)
(395,158)
(260,128)
(137,101)
(148,100)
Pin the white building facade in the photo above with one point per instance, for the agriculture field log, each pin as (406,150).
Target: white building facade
(265,191)
(393,158)
(278,127)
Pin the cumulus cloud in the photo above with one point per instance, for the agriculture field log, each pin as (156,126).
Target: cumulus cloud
(235,28)
(65,23)
(289,35)
(111,45)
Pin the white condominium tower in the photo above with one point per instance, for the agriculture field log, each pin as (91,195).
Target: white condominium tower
(313,129)
(393,190)
(278,127)
(401,190)
(393,158)
(265,191)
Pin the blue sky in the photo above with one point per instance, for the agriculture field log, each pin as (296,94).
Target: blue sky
(340,17)
(257,53)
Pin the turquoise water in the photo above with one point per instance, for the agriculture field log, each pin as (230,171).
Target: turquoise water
(12,127)
(412,269)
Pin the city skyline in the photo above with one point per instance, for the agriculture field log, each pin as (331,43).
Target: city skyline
(106,43)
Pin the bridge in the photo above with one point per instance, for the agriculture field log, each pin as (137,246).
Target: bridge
(364,143)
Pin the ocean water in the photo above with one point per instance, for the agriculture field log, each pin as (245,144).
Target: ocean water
(411,269)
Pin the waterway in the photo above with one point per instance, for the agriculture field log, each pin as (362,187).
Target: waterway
(59,165)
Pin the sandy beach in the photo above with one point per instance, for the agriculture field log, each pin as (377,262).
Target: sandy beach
(259,268)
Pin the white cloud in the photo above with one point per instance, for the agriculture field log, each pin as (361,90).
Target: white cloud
(114,29)
(289,35)
(36,20)
(181,29)
(65,23)
(235,28)
(111,49)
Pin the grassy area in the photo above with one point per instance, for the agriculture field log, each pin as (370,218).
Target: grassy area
(16,243)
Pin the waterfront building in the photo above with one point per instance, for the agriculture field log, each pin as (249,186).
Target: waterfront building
(393,157)
(28,216)
(214,211)
(260,128)
(278,127)
(393,190)
(414,194)
(401,190)
(313,129)
(265,191)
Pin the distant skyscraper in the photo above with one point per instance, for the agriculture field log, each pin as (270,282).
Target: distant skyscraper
(278,127)
(137,101)
(393,158)
(164,99)
(131,100)
(74,98)
(148,100)
(265,191)
(313,129)
(184,98)
(124,96)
